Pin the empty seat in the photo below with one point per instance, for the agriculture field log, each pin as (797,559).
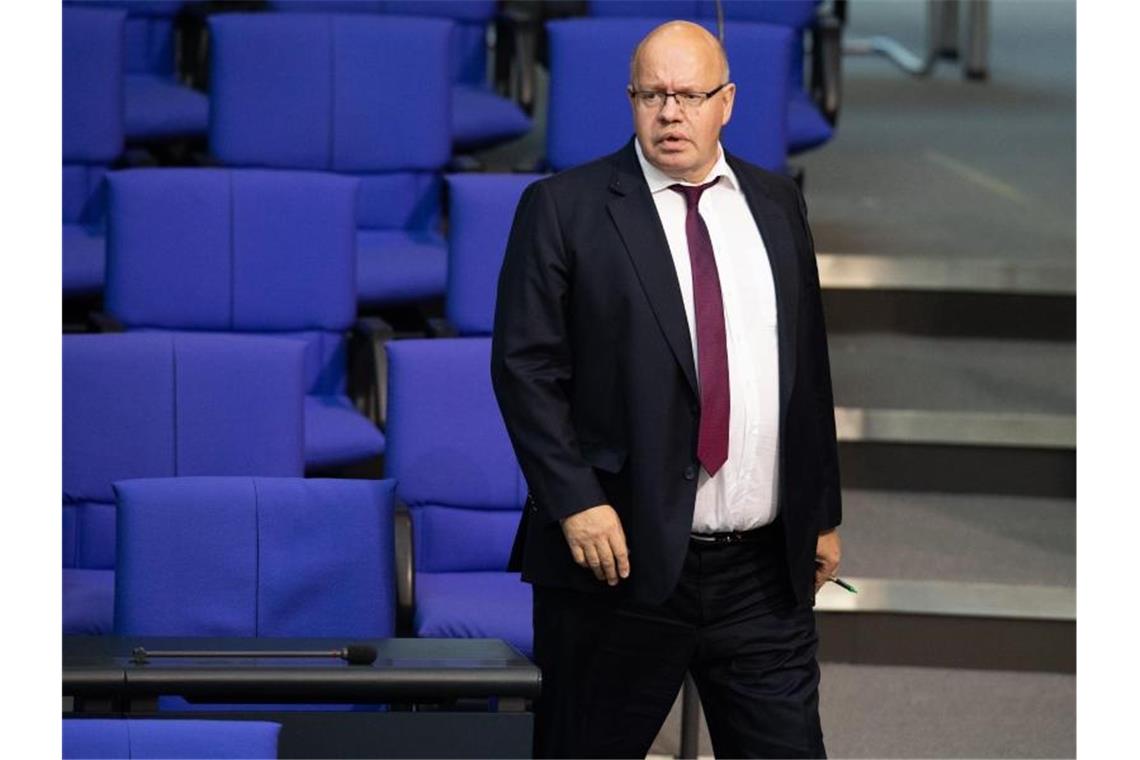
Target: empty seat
(482,209)
(158,105)
(163,405)
(455,469)
(589,114)
(480,117)
(355,94)
(255,557)
(248,251)
(114,738)
(92,137)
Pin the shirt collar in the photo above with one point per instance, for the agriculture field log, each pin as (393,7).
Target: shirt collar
(659,180)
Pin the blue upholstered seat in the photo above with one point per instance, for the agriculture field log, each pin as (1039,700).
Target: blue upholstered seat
(455,469)
(157,105)
(589,63)
(92,136)
(160,107)
(247,251)
(151,405)
(480,117)
(151,739)
(355,94)
(806,125)
(286,557)
(482,210)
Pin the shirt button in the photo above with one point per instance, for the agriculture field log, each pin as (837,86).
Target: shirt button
(690,472)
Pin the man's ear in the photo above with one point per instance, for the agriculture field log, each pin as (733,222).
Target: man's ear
(729,94)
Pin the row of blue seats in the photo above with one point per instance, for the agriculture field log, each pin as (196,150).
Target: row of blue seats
(254,251)
(368,97)
(185,512)
(159,106)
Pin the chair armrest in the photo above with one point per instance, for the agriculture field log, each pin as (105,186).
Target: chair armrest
(517,27)
(368,367)
(102,322)
(405,571)
(826,65)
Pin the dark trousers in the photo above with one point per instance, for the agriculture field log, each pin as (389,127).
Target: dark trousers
(611,669)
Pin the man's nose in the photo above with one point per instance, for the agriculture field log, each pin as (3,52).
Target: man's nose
(670,112)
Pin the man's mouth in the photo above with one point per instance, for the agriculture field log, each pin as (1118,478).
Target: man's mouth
(672,141)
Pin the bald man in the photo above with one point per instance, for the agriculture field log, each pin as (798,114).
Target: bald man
(661,363)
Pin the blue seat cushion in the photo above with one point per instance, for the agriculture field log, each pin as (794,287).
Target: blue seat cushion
(486,605)
(480,116)
(806,126)
(399,266)
(159,107)
(336,433)
(88,601)
(84,260)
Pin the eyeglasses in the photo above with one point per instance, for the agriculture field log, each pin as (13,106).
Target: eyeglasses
(650,99)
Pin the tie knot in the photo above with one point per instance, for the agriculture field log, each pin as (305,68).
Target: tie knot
(693,193)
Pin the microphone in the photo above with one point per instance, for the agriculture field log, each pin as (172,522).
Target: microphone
(353,654)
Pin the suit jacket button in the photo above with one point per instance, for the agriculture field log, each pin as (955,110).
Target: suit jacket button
(690,472)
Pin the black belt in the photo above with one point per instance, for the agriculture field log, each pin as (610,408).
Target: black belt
(734,536)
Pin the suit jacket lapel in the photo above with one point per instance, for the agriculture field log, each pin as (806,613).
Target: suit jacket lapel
(780,245)
(635,216)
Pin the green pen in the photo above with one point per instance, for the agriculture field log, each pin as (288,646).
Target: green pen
(843,584)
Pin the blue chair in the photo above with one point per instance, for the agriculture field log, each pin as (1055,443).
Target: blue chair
(163,405)
(238,556)
(812,110)
(146,739)
(158,105)
(92,137)
(482,209)
(589,114)
(456,472)
(360,95)
(479,116)
(248,251)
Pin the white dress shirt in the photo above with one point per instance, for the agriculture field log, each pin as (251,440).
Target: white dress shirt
(743,493)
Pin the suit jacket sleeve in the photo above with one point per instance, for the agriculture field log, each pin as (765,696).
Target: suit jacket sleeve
(830,508)
(532,360)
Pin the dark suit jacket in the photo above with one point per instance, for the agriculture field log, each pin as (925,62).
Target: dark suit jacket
(593,370)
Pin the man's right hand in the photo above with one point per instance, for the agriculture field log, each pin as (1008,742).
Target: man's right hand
(597,541)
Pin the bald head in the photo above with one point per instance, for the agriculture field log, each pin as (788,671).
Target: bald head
(680,39)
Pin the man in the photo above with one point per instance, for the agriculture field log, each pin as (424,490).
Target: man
(661,363)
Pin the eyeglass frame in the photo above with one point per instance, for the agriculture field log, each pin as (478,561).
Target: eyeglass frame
(675,95)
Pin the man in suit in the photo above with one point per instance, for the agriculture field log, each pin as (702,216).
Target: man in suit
(661,363)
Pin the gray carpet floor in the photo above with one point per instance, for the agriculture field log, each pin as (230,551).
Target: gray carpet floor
(895,371)
(951,168)
(974,538)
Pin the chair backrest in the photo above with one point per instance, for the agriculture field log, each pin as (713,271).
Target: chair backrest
(147,739)
(149,33)
(92,104)
(255,557)
(798,14)
(469,40)
(237,251)
(449,452)
(352,93)
(154,405)
(482,209)
(589,114)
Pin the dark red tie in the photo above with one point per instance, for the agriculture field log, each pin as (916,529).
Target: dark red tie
(712,347)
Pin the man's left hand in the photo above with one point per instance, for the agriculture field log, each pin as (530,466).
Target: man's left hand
(827,550)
